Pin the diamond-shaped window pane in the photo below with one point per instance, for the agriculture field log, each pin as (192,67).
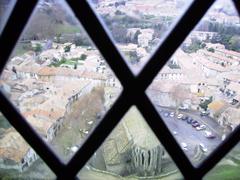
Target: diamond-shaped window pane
(17,159)
(197,91)
(138,26)
(131,151)
(6,7)
(57,78)
(228,167)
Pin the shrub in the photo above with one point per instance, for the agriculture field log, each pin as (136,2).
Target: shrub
(38,48)
(67,48)
(211,50)
(83,57)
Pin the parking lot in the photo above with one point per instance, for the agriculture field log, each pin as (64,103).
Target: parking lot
(187,135)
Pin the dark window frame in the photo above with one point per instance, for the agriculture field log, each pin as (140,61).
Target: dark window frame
(134,87)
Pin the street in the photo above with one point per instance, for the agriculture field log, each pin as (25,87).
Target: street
(185,133)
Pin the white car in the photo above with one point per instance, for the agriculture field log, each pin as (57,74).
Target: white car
(209,135)
(201,127)
(184,146)
(90,122)
(171,114)
(180,116)
(203,148)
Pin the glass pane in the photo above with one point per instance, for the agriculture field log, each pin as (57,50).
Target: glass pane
(17,159)
(228,167)
(138,26)
(58,79)
(131,151)
(197,91)
(6,7)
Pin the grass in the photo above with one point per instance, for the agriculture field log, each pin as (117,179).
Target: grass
(4,123)
(19,50)
(224,172)
(66,28)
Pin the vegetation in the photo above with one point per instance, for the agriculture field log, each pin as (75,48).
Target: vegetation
(228,35)
(38,48)
(132,57)
(204,104)
(82,111)
(83,57)
(224,172)
(82,40)
(4,123)
(67,48)
(75,66)
(179,94)
(56,63)
(211,50)
(194,46)
(58,37)
(120,23)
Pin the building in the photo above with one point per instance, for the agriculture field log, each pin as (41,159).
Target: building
(216,108)
(15,153)
(230,118)
(132,148)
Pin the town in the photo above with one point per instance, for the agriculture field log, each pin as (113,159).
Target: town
(62,86)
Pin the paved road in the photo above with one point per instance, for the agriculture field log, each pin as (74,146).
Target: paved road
(189,135)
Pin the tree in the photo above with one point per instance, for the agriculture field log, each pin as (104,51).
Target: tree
(83,57)
(67,48)
(75,66)
(38,48)
(211,50)
(135,38)
(204,104)
(82,39)
(194,46)
(234,43)
(180,93)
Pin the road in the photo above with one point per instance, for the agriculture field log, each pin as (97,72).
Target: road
(189,135)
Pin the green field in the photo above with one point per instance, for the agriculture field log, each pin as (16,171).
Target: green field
(225,172)
(4,123)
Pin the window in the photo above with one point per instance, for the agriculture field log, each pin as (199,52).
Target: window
(134,86)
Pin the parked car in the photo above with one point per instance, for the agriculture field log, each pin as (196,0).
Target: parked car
(184,146)
(202,147)
(204,113)
(171,114)
(183,107)
(189,120)
(184,118)
(175,133)
(195,124)
(166,114)
(180,116)
(209,135)
(201,127)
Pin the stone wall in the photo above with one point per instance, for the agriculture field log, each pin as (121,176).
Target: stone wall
(147,162)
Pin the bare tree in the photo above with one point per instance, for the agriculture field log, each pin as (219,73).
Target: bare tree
(179,94)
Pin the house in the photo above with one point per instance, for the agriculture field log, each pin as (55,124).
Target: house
(230,118)
(216,108)
(15,153)
(232,89)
